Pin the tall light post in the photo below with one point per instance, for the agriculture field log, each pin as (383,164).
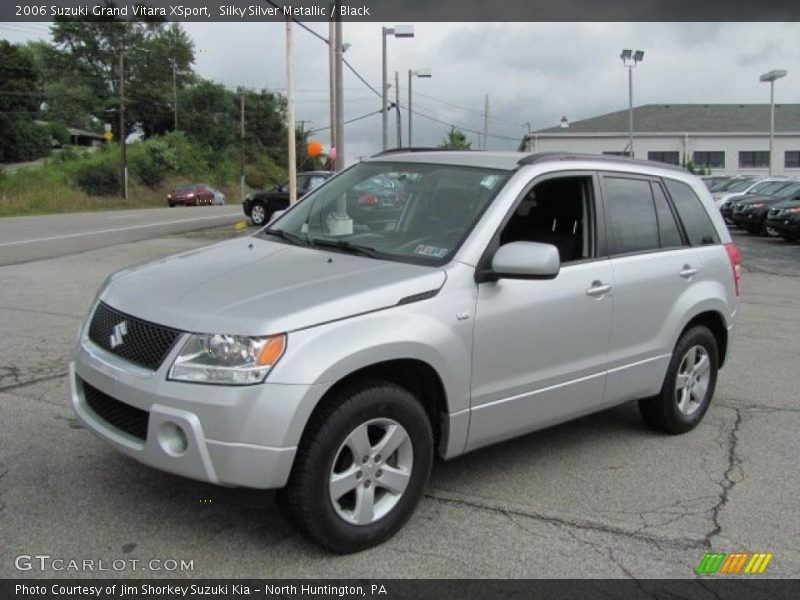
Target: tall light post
(398,31)
(630,59)
(771,77)
(424,73)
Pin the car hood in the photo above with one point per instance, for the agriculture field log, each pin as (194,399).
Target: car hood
(787,204)
(752,199)
(252,286)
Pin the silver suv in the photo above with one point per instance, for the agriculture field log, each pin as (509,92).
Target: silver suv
(336,352)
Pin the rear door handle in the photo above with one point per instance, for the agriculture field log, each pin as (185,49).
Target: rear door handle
(688,271)
(598,288)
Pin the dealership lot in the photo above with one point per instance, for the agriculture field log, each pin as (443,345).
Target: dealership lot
(598,497)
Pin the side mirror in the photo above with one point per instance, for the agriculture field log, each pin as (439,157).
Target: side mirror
(526,260)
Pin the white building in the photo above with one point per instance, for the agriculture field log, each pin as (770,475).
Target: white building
(726,138)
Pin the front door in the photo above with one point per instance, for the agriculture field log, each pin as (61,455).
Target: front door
(539,354)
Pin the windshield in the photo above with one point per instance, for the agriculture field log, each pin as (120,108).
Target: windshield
(739,185)
(410,212)
(771,188)
(790,191)
(720,184)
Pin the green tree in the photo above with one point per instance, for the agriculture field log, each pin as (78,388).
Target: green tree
(20,99)
(87,57)
(455,140)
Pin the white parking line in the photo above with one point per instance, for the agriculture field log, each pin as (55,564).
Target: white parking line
(115,230)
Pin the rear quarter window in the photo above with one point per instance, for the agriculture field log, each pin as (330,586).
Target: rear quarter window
(698,225)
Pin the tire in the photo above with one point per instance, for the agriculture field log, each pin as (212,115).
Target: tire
(389,413)
(770,232)
(171,204)
(259,214)
(675,409)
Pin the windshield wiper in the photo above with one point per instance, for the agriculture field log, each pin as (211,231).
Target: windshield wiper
(289,237)
(345,246)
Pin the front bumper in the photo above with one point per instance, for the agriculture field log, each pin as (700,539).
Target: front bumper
(790,227)
(234,436)
(749,220)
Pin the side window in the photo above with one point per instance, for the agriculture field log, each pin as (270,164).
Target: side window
(667,227)
(631,216)
(693,215)
(302,183)
(555,211)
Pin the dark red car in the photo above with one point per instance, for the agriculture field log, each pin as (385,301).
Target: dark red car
(191,194)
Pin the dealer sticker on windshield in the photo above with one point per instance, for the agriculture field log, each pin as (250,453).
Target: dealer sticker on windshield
(426,250)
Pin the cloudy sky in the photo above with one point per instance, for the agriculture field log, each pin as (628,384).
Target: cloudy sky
(533,72)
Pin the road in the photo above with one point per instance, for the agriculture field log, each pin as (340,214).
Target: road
(23,239)
(599,497)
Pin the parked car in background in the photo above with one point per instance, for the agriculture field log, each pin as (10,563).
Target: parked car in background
(784,219)
(728,181)
(191,194)
(260,206)
(757,186)
(736,185)
(768,189)
(335,362)
(219,197)
(750,214)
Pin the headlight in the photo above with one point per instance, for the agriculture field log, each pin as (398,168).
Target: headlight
(227,359)
(757,205)
(795,210)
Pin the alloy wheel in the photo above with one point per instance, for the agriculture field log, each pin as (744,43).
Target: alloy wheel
(691,383)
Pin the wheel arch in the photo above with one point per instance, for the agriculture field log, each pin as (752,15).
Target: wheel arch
(416,376)
(715,322)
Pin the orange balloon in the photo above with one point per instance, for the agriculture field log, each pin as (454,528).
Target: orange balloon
(314,149)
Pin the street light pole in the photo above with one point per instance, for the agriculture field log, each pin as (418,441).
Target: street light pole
(123,165)
(290,114)
(630,59)
(771,77)
(398,31)
(422,73)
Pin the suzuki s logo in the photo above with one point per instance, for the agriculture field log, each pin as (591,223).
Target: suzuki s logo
(120,331)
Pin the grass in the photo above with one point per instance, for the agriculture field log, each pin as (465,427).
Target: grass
(52,188)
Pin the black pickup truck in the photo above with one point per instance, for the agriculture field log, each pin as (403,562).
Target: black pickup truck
(260,206)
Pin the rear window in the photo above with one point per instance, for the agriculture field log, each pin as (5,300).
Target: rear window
(633,226)
(698,225)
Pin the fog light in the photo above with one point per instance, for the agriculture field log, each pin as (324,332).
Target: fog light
(172,439)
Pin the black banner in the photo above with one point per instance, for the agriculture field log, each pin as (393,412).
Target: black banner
(405,10)
(739,588)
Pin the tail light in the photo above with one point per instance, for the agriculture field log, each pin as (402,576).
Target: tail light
(733,256)
(368,200)
(398,199)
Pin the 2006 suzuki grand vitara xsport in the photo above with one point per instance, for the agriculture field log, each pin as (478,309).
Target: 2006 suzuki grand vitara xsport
(334,353)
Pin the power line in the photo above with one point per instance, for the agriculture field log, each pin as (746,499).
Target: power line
(353,120)
(469,110)
(458,126)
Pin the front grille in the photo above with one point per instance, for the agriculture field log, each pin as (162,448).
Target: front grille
(125,417)
(141,342)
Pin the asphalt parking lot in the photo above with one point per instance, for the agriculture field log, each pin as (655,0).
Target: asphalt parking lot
(599,497)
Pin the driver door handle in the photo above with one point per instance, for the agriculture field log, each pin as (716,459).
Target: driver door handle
(688,271)
(598,288)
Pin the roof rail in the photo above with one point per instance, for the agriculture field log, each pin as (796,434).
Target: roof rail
(417,149)
(537,157)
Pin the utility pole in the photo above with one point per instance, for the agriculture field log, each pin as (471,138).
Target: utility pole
(384,94)
(397,109)
(339,96)
(241,135)
(486,123)
(175,92)
(332,76)
(290,114)
(123,163)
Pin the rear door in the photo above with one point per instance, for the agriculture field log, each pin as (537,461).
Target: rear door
(653,266)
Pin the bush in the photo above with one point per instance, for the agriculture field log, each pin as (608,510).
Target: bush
(263,174)
(153,160)
(98,178)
